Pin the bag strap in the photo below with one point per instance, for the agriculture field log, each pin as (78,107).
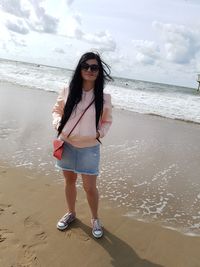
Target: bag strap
(81,117)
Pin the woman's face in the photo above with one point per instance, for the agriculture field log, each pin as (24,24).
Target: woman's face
(89,70)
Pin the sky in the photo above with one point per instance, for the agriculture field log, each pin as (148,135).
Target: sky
(151,40)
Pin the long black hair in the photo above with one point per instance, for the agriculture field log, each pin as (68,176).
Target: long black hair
(75,88)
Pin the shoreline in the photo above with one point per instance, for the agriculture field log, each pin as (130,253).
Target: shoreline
(3,83)
(176,119)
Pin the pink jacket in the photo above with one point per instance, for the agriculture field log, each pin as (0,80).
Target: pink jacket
(84,134)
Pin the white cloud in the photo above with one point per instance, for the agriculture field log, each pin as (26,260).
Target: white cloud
(42,22)
(147,52)
(69,2)
(18,42)
(103,40)
(24,16)
(181,44)
(59,50)
(73,26)
(15,7)
(17,25)
(5,34)
(8,37)
(29,14)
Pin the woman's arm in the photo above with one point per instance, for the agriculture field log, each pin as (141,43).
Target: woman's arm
(58,108)
(106,119)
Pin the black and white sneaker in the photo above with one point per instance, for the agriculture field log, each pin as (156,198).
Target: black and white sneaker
(97,229)
(64,222)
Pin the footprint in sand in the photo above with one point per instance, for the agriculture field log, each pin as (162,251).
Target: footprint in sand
(3,207)
(27,258)
(29,222)
(35,231)
(84,237)
(1,210)
(5,234)
(77,234)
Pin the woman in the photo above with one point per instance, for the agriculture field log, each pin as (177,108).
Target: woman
(81,148)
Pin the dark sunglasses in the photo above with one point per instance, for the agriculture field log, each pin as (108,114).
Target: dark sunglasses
(92,67)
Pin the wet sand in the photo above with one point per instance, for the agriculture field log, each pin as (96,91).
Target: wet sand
(150,171)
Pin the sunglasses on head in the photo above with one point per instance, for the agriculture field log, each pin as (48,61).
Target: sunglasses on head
(92,67)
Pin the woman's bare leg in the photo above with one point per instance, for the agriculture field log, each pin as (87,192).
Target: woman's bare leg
(89,185)
(70,189)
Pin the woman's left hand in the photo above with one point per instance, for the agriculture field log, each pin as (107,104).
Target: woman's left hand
(97,135)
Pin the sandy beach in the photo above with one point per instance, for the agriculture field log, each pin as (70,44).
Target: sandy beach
(149,183)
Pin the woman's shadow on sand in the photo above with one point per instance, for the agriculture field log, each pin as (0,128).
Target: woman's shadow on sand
(121,253)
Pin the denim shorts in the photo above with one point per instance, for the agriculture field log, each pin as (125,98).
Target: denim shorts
(80,160)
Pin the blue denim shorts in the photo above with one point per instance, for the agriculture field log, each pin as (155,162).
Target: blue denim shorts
(80,160)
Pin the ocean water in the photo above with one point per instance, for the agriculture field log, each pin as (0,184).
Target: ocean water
(140,96)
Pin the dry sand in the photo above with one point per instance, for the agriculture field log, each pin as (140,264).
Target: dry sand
(30,206)
(32,201)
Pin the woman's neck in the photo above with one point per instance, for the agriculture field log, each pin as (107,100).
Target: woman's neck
(87,86)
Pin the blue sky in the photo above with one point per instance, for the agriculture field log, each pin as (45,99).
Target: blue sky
(149,40)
